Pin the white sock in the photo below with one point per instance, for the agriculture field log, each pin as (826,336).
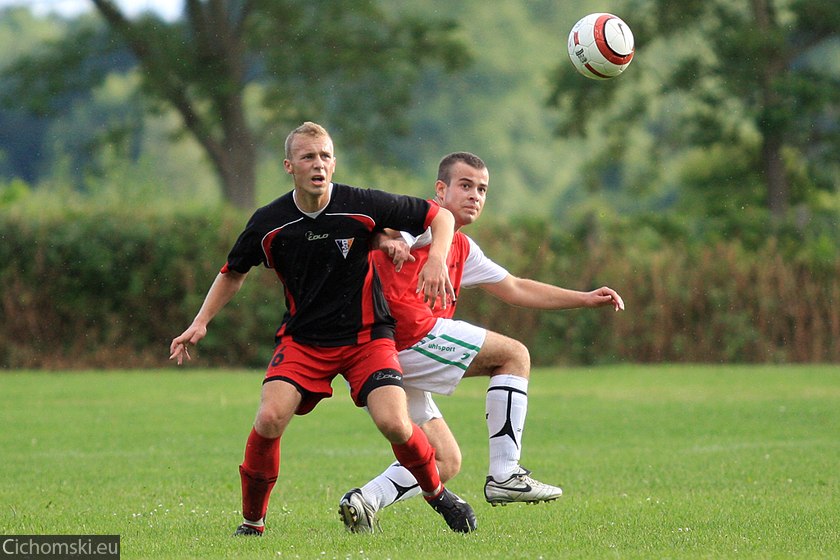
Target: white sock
(394,484)
(507,405)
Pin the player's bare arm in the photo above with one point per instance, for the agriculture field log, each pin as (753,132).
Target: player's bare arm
(392,244)
(433,280)
(524,292)
(222,290)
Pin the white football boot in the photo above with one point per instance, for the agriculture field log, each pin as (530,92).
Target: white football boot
(358,515)
(519,487)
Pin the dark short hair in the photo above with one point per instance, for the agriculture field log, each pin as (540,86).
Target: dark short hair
(446,164)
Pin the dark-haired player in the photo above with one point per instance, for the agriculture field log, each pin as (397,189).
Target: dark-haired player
(436,352)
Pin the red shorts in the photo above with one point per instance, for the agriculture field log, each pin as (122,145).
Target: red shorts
(312,368)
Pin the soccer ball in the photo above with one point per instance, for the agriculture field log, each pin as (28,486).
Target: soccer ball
(601,46)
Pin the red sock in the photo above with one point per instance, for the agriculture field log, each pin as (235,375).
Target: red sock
(418,456)
(258,473)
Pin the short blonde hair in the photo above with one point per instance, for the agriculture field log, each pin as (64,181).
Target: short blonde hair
(308,128)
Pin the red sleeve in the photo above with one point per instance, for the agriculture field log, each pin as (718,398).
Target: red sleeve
(225,269)
(434,207)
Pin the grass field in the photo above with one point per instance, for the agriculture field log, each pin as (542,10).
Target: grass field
(656,462)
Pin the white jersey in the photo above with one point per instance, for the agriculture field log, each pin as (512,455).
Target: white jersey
(436,362)
(478,268)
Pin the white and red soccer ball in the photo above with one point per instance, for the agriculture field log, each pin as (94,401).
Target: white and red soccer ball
(601,46)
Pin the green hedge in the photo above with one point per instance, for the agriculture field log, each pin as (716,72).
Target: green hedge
(686,301)
(111,290)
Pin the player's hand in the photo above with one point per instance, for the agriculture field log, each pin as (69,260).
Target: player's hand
(178,349)
(435,284)
(606,296)
(398,251)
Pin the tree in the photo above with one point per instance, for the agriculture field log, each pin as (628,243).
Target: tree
(739,70)
(26,117)
(346,64)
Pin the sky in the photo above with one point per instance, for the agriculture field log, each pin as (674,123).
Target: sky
(169,9)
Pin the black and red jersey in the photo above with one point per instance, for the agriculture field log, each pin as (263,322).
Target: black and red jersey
(333,295)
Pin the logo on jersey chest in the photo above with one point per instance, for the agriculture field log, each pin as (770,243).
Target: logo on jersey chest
(311,236)
(344,245)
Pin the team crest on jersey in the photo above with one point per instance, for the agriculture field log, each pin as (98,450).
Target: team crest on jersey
(344,245)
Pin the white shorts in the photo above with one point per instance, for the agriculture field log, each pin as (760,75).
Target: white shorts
(437,364)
